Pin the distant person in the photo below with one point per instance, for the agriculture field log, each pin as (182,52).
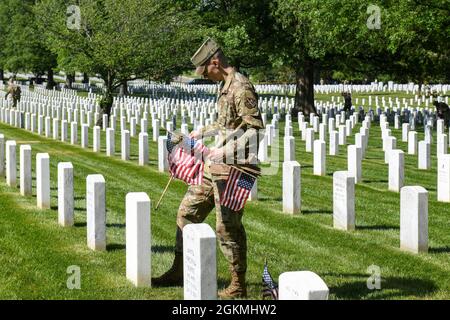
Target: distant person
(442,111)
(13,90)
(347,101)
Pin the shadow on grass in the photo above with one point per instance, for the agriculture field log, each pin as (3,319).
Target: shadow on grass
(439,250)
(155,249)
(391,288)
(270,199)
(317,211)
(115,225)
(115,247)
(80,224)
(378,227)
(375,181)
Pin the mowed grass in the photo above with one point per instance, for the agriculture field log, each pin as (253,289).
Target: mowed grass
(35,251)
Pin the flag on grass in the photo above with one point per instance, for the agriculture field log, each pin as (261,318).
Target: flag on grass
(270,288)
(186,159)
(237,190)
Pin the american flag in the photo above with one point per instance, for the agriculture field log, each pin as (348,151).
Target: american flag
(186,159)
(270,288)
(237,190)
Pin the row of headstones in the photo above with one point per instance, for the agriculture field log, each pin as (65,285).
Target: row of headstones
(199,239)
(163,165)
(413,202)
(37,100)
(395,158)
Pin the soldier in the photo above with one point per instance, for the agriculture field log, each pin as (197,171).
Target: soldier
(13,90)
(347,101)
(442,111)
(237,109)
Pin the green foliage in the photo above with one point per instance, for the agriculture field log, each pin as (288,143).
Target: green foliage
(121,40)
(23,48)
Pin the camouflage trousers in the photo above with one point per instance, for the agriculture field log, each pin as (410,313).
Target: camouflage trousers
(197,203)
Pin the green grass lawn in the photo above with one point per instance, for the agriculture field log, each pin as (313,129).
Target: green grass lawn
(35,251)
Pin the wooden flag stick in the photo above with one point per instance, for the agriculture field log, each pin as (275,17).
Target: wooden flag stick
(164,192)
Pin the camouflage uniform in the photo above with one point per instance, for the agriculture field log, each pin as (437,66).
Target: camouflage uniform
(237,105)
(15,93)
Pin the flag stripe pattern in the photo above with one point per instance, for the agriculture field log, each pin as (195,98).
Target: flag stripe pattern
(237,189)
(186,160)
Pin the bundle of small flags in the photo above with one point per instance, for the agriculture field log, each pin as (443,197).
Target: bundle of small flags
(186,159)
(270,288)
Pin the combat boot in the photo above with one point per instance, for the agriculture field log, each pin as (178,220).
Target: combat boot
(173,277)
(237,288)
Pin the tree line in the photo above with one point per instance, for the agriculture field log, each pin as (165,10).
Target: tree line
(273,40)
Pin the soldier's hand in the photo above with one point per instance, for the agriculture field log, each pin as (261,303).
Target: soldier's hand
(195,134)
(215,154)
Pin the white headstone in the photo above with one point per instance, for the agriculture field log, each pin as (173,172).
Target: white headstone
(84,136)
(133,130)
(414,219)
(64,128)
(65,194)
(25,170)
(405,132)
(55,129)
(156,126)
(412,142)
(138,239)
(396,170)
(289,148)
(319,158)
(342,137)
(143,149)
(163,163)
(424,161)
(354,166)
(253,196)
(96,212)
(309,139)
(125,145)
(2,155)
(343,201)
(73,133)
(199,260)
(443,178)
(96,142)
(302,285)
(291,187)
(334,143)
(110,142)
(390,144)
(11,164)
(43,180)
(442,144)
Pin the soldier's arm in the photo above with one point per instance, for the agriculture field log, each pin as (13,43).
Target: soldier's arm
(210,130)
(247,110)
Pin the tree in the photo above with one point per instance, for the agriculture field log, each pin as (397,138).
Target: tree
(120,40)
(23,48)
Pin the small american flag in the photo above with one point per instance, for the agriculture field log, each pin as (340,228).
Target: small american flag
(186,159)
(238,188)
(270,288)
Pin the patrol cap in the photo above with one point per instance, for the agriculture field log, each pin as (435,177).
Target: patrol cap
(203,54)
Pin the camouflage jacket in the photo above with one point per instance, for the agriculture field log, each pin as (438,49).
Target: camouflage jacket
(237,108)
(14,91)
